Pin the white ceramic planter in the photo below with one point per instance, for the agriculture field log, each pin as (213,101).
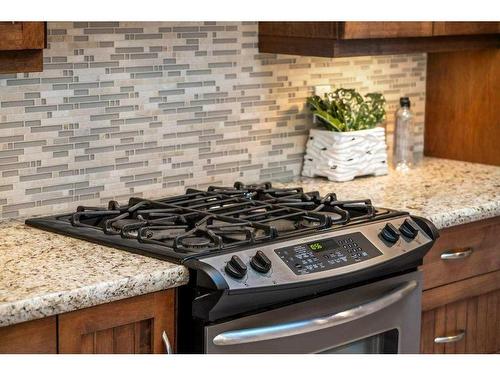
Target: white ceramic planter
(343,156)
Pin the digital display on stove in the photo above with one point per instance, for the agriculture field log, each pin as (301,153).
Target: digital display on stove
(320,246)
(329,253)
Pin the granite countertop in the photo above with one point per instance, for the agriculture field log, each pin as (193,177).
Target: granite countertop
(447,192)
(43,274)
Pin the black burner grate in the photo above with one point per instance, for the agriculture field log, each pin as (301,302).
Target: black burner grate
(220,218)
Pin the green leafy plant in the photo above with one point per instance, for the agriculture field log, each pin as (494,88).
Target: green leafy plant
(345,110)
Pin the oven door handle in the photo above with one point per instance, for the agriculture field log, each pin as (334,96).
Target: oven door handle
(248,335)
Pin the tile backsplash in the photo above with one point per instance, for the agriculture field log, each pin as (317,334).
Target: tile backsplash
(149,108)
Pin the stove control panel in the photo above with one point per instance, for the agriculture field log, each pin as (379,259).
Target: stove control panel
(326,254)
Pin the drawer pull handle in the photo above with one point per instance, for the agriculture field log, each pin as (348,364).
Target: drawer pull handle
(457,254)
(449,339)
(166,342)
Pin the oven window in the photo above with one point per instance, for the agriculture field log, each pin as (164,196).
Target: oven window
(383,343)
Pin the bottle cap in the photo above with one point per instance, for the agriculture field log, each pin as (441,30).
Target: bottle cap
(405,102)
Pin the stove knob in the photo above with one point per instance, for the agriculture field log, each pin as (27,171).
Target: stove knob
(260,262)
(408,229)
(236,268)
(390,233)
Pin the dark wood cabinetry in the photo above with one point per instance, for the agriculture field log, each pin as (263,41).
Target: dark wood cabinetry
(463,325)
(132,325)
(338,39)
(475,247)
(370,30)
(21,46)
(465,28)
(461,299)
(461,111)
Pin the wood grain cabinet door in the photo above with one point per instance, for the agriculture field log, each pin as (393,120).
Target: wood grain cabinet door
(465,28)
(22,35)
(461,111)
(133,325)
(470,325)
(33,337)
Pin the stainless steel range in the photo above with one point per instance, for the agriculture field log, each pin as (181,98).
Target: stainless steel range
(275,270)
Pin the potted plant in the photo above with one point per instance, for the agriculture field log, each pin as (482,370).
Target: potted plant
(352,143)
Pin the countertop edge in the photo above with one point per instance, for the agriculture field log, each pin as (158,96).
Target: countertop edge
(465,215)
(65,301)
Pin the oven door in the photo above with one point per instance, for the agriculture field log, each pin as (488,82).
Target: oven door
(381,317)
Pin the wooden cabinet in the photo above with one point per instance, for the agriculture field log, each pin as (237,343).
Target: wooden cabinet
(21,46)
(461,299)
(369,30)
(461,111)
(338,39)
(22,35)
(133,325)
(467,319)
(463,251)
(36,336)
(465,28)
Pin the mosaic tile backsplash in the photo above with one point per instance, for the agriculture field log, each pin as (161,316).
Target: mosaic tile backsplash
(148,109)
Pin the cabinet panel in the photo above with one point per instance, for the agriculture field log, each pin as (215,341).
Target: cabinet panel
(478,244)
(29,60)
(473,323)
(36,336)
(11,35)
(461,112)
(133,325)
(22,35)
(300,29)
(368,30)
(342,39)
(21,46)
(465,28)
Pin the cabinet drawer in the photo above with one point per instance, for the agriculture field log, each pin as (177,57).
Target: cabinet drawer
(462,252)
(470,325)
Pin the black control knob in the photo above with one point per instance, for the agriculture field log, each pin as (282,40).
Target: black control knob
(236,268)
(408,229)
(260,262)
(390,233)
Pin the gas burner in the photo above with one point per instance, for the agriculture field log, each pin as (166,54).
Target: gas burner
(203,222)
(194,242)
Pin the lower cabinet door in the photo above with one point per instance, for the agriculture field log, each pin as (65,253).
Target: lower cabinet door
(140,324)
(470,325)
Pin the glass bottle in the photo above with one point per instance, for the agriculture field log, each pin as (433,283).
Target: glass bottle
(403,137)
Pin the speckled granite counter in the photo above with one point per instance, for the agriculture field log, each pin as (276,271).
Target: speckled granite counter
(446,192)
(43,274)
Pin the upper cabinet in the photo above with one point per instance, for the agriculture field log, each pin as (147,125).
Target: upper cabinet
(338,39)
(21,46)
(369,30)
(465,28)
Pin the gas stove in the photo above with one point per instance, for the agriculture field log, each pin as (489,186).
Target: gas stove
(205,223)
(253,248)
